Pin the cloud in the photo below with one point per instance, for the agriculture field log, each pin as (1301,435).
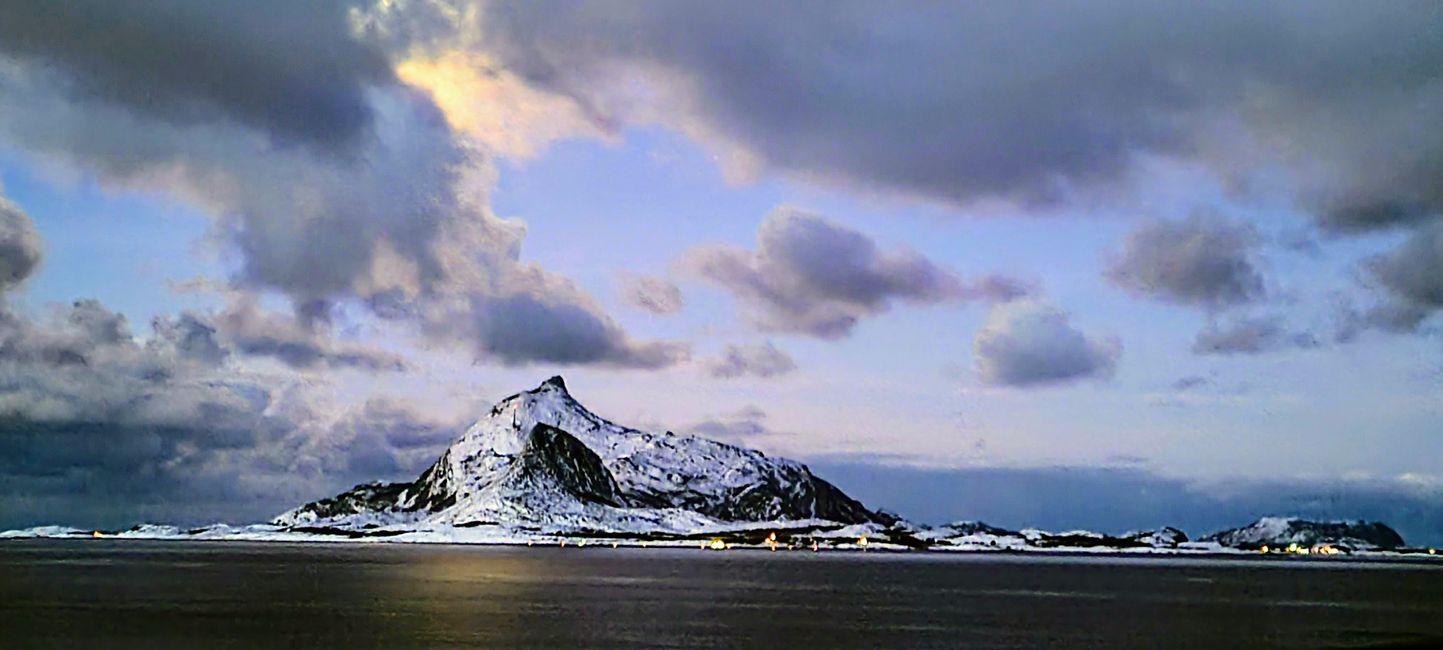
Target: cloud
(294,71)
(256,332)
(1031,343)
(191,336)
(98,427)
(19,245)
(1191,383)
(656,295)
(809,275)
(739,427)
(521,329)
(491,104)
(1411,278)
(1032,103)
(1000,288)
(1251,336)
(1203,260)
(388,211)
(762,360)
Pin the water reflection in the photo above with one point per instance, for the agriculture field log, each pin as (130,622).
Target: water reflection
(194,595)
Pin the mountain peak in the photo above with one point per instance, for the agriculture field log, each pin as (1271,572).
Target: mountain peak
(541,459)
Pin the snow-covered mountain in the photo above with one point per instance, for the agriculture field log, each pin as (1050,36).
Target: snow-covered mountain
(1282,531)
(541,461)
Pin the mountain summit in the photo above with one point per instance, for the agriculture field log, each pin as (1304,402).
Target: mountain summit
(541,461)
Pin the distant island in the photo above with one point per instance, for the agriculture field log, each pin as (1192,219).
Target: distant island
(541,468)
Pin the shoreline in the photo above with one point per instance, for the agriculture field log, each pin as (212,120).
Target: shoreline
(1412,558)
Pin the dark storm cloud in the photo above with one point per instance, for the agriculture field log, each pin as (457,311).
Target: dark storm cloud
(1251,335)
(291,69)
(656,295)
(1412,280)
(1026,102)
(1117,500)
(248,465)
(760,360)
(1203,260)
(100,427)
(1029,343)
(811,276)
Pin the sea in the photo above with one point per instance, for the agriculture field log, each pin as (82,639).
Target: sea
(173,594)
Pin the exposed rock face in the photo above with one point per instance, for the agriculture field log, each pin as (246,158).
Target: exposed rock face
(553,460)
(539,459)
(1282,531)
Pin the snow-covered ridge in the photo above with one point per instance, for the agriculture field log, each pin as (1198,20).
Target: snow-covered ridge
(1286,531)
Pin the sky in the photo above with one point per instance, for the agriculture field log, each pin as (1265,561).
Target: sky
(1112,265)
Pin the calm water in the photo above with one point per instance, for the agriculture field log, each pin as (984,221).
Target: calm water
(80,593)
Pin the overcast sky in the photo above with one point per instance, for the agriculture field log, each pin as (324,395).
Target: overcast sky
(253,253)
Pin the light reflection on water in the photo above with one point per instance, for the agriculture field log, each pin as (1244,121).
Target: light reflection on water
(183,594)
